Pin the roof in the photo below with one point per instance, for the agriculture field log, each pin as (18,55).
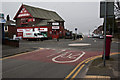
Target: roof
(10,22)
(42,13)
(42,23)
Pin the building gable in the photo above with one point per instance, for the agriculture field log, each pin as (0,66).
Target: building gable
(22,12)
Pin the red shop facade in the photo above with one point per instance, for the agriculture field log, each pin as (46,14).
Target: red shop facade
(31,19)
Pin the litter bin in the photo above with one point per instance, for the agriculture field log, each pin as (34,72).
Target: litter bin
(108,46)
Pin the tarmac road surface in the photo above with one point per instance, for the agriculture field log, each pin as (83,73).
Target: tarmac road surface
(52,59)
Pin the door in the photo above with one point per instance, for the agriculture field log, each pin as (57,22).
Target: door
(20,34)
(55,34)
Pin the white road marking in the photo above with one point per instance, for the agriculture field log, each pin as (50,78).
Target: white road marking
(47,48)
(57,53)
(79,44)
(70,56)
(94,40)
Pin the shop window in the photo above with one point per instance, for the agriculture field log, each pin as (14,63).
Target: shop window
(6,28)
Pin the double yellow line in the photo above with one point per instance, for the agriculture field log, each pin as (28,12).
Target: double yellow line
(78,68)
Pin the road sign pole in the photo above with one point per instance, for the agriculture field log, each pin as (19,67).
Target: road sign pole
(105,18)
(75,33)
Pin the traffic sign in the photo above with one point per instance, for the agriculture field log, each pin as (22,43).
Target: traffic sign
(109,9)
(2,21)
(75,29)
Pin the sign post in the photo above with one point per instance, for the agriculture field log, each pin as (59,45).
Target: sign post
(2,21)
(104,34)
(106,10)
(75,33)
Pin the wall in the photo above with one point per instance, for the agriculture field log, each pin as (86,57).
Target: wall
(12,30)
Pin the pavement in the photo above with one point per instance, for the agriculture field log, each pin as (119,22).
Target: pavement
(111,70)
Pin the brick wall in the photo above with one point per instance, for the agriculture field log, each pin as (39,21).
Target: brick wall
(12,30)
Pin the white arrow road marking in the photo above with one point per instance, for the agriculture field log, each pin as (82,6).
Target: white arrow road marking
(71,56)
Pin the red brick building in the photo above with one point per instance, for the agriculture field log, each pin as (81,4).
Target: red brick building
(10,29)
(32,19)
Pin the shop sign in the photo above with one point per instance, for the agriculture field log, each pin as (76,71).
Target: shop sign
(41,29)
(31,20)
(55,27)
(19,30)
(23,15)
(55,23)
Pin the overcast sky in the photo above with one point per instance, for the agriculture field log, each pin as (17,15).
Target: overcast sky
(81,15)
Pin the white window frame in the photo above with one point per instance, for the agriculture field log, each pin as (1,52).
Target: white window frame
(5,28)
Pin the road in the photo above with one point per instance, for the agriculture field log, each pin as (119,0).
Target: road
(53,59)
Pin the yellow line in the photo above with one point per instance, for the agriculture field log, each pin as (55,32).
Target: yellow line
(77,72)
(75,69)
(14,56)
(87,60)
(90,76)
(93,58)
(18,54)
(115,53)
(0,58)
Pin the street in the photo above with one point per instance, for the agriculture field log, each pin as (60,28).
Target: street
(53,59)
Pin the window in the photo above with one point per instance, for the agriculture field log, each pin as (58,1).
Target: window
(6,28)
(24,20)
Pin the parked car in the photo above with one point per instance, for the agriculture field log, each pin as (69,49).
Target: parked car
(68,35)
(101,36)
(95,35)
(89,36)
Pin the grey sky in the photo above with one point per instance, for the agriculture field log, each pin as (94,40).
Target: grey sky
(83,15)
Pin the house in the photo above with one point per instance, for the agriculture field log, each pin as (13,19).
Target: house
(10,29)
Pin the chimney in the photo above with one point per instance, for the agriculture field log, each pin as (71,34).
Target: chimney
(8,18)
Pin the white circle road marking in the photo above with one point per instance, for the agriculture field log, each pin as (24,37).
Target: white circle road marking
(71,56)
(79,44)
